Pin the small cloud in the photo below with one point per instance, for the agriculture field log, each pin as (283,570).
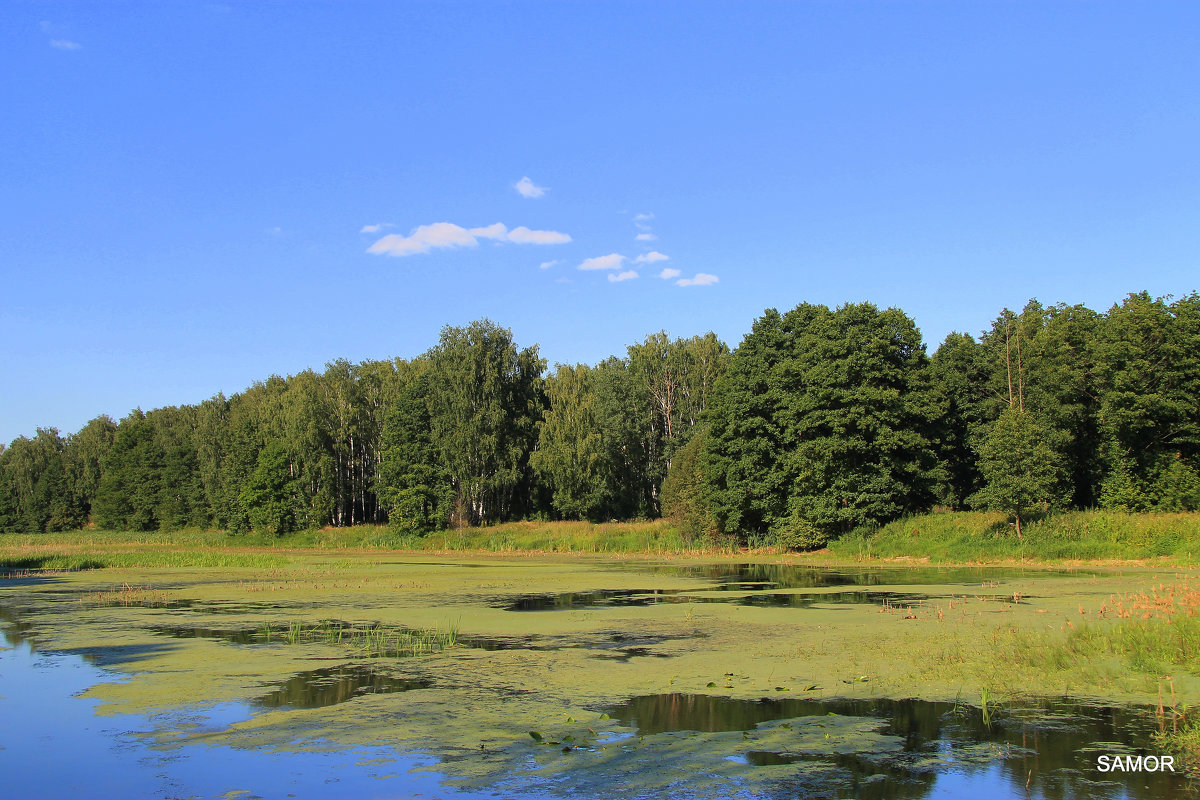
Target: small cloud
(624,276)
(448,235)
(701,279)
(642,222)
(562,280)
(651,257)
(523,235)
(496,230)
(669,273)
(376,228)
(275,231)
(610,261)
(645,237)
(46,25)
(65,44)
(527,188)
(547,264)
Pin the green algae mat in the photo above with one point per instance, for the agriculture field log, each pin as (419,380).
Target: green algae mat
(544,677)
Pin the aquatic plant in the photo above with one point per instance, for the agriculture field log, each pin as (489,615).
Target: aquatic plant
(371,641)
(128,595)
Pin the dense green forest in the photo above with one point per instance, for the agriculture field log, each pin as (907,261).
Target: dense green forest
(821,422)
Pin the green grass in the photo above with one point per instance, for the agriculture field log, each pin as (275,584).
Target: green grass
(1151,647)
(967,536)
(93,549)
(950,537)
(1184,742)
(658,536)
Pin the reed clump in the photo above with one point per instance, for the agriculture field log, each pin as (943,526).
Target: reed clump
(127,595)
(371,641)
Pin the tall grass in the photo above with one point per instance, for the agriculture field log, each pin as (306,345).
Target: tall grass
(1154,632)
(1072,535)
(92,549)
(372,641)
(951,537)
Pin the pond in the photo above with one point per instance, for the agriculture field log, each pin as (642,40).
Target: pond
(381,677)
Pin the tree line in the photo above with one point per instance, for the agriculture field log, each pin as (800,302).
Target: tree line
(821,422)
(471,432)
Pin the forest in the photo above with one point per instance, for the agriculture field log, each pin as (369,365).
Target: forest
(821,422)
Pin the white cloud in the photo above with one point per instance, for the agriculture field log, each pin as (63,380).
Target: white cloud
(447,234)
(651,257)
(65,44)
(376,228)
(424,239)
(523,235)
(527,188)
(610,261)
(642,217)
(624,276)
(701,279)
(669,273)
(496,230)
(645,237)
(275,231)
(547,264)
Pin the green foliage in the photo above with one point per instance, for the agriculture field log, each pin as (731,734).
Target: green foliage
(570,456)
(36,494)
(414,489)
(623,416)
(961,372)
(673,382)
(822,418)
(797,533)
(1176,486)
(484,406)
(1149,368)
(822,421)
(683,498)
(1022,473)
(270,496)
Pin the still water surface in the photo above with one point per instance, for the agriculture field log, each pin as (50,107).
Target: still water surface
(54,744)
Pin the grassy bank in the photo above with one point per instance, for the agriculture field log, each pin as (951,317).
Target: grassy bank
(951,538)
(93,549)
(968,537)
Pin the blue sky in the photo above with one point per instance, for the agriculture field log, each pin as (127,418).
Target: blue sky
(190,190)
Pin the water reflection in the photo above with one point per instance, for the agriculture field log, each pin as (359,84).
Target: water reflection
(783,585)
(326,687)
(1042,748)
(58,748)
(793,576)
(647,597)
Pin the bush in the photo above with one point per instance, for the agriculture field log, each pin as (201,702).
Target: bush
(795,533)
